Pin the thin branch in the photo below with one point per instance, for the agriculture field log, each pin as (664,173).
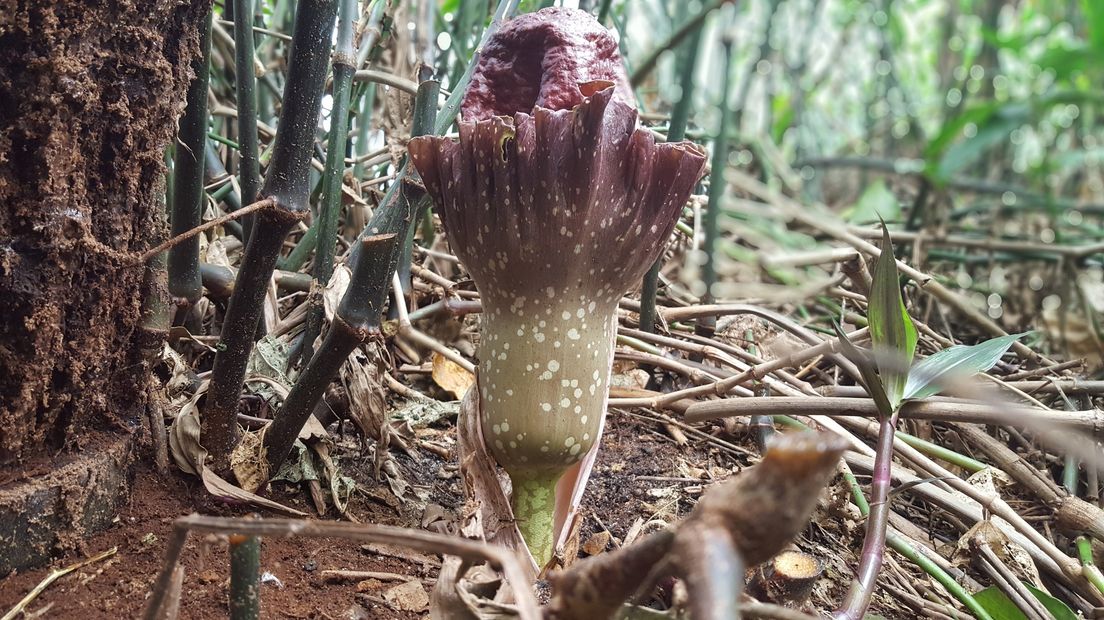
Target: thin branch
(1091,420)
(425,542)
(204,227)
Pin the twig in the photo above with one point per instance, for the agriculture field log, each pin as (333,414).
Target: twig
(51,578)
(815,219)
(956,410)
(755,373)
(425,542)
(204,227)
(361,575)
(766,611)
(409,331)
(1054,368)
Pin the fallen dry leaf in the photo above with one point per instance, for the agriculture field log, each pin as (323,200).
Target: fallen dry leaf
(597,543)
(408,596)
(451,376)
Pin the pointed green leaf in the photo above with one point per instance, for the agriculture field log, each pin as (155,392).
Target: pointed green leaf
(873,383)
(876,202)
(1000,607)
(1056,607)
(891,329)
(931,375)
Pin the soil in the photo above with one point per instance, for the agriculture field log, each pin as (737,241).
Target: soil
(117,587)
(643,473)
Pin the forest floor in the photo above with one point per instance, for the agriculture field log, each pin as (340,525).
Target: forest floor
(649,473)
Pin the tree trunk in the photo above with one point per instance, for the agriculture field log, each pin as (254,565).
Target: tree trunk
(89,96)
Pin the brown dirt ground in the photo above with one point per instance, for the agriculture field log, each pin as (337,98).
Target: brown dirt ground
(643,473)
(117,587)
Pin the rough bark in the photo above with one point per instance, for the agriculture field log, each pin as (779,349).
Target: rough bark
(89,97)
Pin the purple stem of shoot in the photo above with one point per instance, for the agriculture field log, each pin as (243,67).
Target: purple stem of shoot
(873,553)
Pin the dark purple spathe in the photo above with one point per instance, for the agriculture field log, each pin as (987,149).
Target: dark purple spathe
(581,200)
(543,59)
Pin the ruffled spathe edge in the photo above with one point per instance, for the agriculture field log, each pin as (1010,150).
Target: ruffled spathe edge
(575,200)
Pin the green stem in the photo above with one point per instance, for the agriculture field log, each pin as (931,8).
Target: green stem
(944,454)
(686,29)
(385,217)
(332,175)
(1089,568)
(246,83)
(363,124)
(225,194)
(288,185)
(302,250)
(534,504)
(687,65)
(716,180)
(187,201)
(1084,543)
(245,581)
(604,10)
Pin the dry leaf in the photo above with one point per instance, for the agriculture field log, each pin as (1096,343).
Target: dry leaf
(632,379)
(597,543)
(248,462)
(451,376)
(367,402)
(335,290)
(190,456)
(408,596)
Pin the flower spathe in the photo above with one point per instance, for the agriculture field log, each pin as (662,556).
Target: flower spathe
(556,214)
(579,200)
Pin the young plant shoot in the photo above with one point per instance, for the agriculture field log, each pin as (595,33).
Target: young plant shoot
(557,202)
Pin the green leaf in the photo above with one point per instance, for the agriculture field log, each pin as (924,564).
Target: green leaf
(891,329)
(1000,607)
(932,374)
(996,129)
(1057,608)
(783,113)
(1094,18)
(876,202)
(873,383)
(951,131)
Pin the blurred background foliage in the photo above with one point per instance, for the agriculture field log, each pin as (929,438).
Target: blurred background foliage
(969,126)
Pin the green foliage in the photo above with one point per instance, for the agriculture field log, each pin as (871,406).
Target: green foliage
(997,122)
(783,113)
(891,329)
(929,376)
(876,203)
(1000,607)
(893,379)
(871,381)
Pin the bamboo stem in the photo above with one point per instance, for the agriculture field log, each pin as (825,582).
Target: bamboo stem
(357,320)
(245,79)
(245,580)
(675,133)
(718,163)
(187,201)
(288,185)
(946,410)
(645,68)
(332,175)
(384,218)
